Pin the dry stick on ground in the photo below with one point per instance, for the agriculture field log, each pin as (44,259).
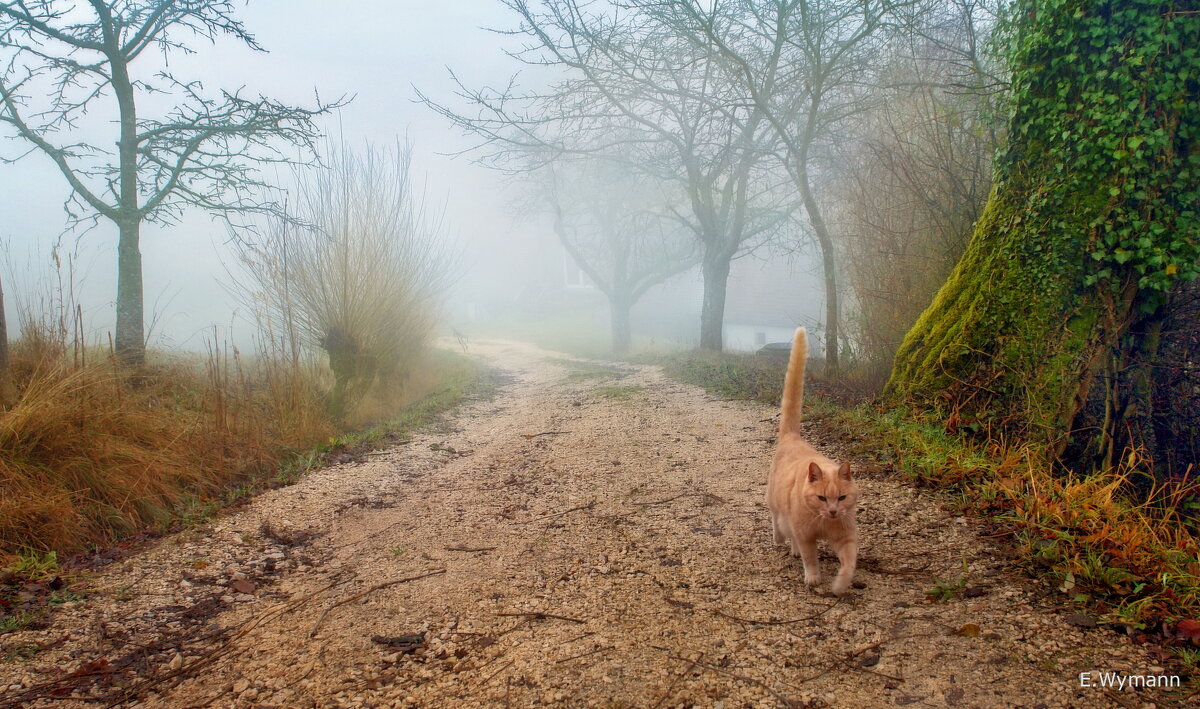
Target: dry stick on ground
(777,622)
(696,663)
(588,506)
(671,687)
(489,678)
(873,566)
(313,631)
(541,616)
(873,646)
(708,495)
(544,433)
(463,548)
(589,652)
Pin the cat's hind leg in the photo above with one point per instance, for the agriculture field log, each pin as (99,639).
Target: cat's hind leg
(776,532)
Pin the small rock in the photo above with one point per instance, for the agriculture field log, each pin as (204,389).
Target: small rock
(1080,620)
(176,662)
(241,686)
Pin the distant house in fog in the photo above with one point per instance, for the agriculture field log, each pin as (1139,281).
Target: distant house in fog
(767,300)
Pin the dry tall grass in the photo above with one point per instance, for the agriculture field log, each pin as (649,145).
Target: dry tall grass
(89,452)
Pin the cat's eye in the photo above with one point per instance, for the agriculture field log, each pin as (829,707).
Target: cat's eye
(821,498)
(841,498)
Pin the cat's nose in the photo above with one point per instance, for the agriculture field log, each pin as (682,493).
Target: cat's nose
(833,513)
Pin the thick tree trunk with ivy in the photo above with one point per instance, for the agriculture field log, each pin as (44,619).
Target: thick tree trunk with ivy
(1093,220)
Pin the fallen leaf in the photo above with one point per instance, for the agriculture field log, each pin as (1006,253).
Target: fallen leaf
(243,586)
(1189,629)
(1079,620)
(974,592)
(869,660)
(970,630)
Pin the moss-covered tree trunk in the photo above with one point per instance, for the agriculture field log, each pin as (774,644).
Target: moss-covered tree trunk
(1093,219)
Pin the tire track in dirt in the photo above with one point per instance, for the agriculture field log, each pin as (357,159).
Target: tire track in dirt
(597,538)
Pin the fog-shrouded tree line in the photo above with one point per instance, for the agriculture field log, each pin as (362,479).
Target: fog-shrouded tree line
(1029,167)
(756,117)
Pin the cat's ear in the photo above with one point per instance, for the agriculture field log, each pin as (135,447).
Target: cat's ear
(814,471)
(844,471)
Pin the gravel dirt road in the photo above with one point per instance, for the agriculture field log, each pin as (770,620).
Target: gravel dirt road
(593,536)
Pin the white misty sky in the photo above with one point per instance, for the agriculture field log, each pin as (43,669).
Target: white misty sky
(374,50)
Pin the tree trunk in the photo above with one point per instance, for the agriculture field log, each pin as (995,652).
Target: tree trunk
(8,389)
(130,338)
(1089,225)
(715,270)
(829,266)
(619,307)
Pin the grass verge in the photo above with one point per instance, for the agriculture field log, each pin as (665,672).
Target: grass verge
(91,454)
(32,581)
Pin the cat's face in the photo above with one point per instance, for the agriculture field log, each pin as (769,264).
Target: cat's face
(830,494)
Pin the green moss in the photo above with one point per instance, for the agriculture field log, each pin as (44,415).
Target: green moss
(1095,198)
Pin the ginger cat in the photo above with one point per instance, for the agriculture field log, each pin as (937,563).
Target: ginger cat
(810,496)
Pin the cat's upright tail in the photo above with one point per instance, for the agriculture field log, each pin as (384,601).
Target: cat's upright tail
(793,384)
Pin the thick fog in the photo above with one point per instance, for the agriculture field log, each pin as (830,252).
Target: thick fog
(507,255)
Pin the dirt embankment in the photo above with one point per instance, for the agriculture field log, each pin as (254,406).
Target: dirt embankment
(592,537)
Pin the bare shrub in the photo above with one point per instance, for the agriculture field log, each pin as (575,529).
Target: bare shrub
(354,273)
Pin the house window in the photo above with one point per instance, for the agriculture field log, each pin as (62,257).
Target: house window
(760,338)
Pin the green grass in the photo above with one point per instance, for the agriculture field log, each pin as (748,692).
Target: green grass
(733,376)
(578,371)
(618,393)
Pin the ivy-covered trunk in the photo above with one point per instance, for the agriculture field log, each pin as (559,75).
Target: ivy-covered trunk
(1093,220)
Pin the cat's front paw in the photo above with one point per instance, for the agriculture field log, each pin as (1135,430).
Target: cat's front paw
(812,579)
(840,586)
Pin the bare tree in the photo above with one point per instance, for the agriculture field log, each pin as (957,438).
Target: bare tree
(801,64)
(203,151)
(636,92)
(617,227)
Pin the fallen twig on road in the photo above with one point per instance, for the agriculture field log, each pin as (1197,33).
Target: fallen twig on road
(313,631)
(777,622)
(535,615)
(588,506)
